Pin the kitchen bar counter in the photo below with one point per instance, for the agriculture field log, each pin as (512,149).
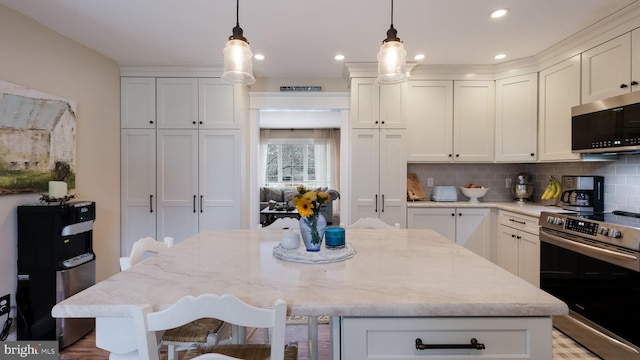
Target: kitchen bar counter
(530,209)
(395,273)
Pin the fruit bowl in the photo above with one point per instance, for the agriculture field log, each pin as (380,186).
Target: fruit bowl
(474,193)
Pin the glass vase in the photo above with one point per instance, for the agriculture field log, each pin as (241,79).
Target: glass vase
(312,231)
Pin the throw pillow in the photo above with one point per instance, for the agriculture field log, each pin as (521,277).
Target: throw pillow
(289,194)
(274,194)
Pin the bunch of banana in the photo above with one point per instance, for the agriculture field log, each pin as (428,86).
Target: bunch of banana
(553,190)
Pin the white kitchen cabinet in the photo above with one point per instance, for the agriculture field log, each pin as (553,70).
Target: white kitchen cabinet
(386,338)
(377,106)
(430,121)
(469,227)
(138,186)
(177,103)
(473,121)
(379,175)
(517,118)
(198,177)
(216,105)
(518,246)
(451,121)
(559,90)
(610,69)
(137,103)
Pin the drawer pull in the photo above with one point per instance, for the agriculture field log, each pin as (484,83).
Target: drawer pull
(519,222)
(473,345)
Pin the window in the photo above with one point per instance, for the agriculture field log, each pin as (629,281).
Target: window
(290,161)
(308,157)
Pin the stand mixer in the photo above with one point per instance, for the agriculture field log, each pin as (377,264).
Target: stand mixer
(522,188)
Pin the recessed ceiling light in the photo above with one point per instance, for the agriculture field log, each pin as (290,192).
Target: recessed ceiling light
(499,13)
(339,57)
(419,57)
(500,56)
(259,57)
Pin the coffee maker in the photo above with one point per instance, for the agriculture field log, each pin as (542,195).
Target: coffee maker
(583,193)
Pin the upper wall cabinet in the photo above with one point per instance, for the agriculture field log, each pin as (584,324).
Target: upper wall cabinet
(612,68)
(177,103)
(375,106)
(216,104)
(517,118)
(473,121)
(451,121)
(191,103)
(559,90)
(430,121)
(137,103)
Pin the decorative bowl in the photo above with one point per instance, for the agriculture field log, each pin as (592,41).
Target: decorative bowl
(474,193)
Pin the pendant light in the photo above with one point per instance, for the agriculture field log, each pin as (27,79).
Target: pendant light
(392,58)
(238,67)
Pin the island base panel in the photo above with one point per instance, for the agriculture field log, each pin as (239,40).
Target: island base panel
(392,338)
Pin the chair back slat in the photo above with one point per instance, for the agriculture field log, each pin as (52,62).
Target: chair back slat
(226,307)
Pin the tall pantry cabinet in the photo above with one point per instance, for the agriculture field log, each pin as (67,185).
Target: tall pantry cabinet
(181,163)
(378,151)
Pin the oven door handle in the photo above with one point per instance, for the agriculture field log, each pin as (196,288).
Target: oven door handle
(590,248)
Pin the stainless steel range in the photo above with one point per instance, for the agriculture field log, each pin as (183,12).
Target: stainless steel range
(592,263)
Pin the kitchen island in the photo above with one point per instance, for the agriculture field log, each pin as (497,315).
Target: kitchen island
(400,285)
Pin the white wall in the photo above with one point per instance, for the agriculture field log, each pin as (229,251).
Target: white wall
(38,58)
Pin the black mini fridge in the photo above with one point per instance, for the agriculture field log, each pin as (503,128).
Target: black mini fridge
(55,261)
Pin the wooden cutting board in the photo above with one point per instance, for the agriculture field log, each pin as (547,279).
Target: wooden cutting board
(414,189)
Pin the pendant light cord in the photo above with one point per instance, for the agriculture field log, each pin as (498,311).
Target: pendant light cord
(391,13)
(238,12)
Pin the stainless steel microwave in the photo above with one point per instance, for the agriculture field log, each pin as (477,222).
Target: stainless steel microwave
(607,126)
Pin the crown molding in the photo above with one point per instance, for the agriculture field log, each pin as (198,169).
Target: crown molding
(171,71)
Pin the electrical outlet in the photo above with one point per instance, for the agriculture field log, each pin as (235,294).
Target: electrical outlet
(507,182)
(5,304)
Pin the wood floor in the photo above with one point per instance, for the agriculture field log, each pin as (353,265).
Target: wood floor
(85,348)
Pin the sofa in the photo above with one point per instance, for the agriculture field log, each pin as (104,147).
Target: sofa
(285,194)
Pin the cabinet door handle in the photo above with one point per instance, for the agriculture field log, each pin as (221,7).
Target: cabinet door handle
(459,214)
(194,122)
(457,155)
(201,203)
(453,214)
(634,83)
(382,203)
(473,345)
(450,155)
(150,121)
(376,201)
(194,203)
(513,235)
(518,237)
(532,154)
(150,203)
(622,86)
(376,121)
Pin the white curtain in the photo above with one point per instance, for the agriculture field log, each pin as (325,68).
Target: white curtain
(264,142)
(327,157)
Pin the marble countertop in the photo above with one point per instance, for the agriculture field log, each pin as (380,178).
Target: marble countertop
(530,209)
(394,272)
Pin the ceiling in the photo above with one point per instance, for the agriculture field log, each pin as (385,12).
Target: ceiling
(299,38)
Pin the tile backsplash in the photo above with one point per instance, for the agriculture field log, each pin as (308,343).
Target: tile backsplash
(621,178)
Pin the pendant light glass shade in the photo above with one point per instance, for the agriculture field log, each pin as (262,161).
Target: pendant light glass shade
(392,58)
(238,66)
(392,63)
